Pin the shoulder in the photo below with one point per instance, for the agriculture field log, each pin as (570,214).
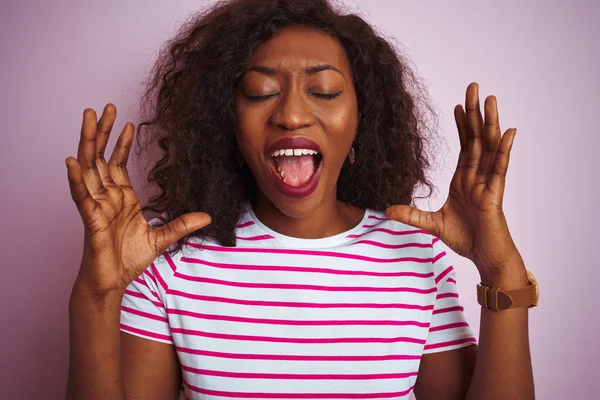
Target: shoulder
(377,222)
(165,267)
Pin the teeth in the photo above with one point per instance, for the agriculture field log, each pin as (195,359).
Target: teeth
(293,152)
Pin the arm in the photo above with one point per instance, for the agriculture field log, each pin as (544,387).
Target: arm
(446,375)
(473,224)
(503,369)
(499,368)
(107,364)
(118,246)
(95,347)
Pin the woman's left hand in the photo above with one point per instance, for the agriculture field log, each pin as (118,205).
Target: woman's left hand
(472,222)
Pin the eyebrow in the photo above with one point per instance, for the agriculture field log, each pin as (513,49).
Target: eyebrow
(309,71)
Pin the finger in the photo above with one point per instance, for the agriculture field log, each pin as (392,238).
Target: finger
(500,167)
(179,228)
(118,160)
(414,217)
(461,125)
(491,137)
(104,128)
(79,192)
(86,153)
(472,103)
(460,119)
(474,130)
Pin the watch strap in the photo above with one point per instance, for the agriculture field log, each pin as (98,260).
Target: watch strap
(496,299)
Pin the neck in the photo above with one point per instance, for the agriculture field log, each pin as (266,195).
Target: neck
(330,218)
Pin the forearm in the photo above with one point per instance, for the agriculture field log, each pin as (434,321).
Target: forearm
(503,368)
(95,347)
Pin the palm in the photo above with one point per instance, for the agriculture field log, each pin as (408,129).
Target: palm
(472,222)
(133,242)
(119,243)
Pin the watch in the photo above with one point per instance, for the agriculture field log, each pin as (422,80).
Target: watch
(496,299)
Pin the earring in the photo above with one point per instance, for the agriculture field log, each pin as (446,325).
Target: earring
(351,155)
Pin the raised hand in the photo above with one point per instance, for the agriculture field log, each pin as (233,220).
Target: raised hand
(119,244)
(472,221)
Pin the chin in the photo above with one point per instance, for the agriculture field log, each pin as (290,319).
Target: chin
(297,207)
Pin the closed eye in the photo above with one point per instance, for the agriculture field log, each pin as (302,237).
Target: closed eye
(260,98)
(326,96)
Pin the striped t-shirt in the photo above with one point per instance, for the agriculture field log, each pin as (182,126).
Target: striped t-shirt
(277,317)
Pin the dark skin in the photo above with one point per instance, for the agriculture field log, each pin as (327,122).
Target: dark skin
(293,72)
(119,244)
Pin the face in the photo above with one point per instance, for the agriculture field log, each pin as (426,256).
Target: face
(296,118)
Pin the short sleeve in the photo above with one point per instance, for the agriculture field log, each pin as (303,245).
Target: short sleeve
(143,310)
(448,328)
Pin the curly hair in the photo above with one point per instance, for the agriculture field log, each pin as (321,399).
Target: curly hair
(188,110)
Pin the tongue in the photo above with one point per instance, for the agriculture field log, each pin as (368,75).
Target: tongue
(295,170)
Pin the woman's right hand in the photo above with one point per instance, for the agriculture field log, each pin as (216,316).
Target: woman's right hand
(118,244)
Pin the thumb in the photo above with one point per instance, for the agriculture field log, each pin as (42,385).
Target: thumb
(414,217)
(180,227)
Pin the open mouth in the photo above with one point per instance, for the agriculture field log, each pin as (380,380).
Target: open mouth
(295,164)
(295,167)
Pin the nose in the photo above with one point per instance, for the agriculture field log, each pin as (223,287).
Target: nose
(293,112)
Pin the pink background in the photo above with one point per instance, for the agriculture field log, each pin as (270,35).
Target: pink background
(542,62)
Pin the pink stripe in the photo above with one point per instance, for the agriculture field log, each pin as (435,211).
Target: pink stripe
(389,231)
(255,238)
(159,278)
(451,280)
(262,375)
(308,253)
(245,224)
(443,274)
(170,261)
(370,226)
(149,275)
(296,322)
(378,218)
(449,309)
(293,357)
(290,286)
(140,281)
(144,314)
(141,296)
(437,258)
(445,295)
(435,240)
(392,246)
(247,267)
(271,339)
(143,282)
(448,344)
(262,303)
(448,326)
(131,329)
(257,395)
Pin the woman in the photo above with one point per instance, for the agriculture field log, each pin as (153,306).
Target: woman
(286,130)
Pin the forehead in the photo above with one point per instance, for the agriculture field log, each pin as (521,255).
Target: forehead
(294,48)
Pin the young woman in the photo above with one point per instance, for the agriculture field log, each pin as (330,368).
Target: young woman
(289,263)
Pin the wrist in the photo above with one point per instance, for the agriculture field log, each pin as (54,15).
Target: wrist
(508,279)
(91,296)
